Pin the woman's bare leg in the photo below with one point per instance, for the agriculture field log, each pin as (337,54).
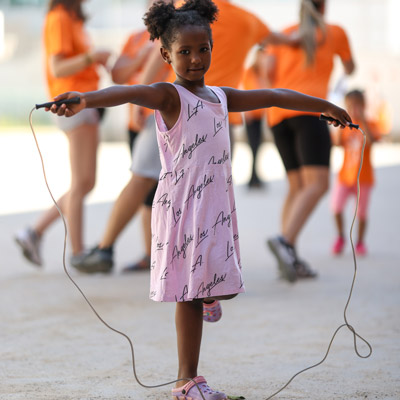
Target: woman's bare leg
(83,142)
(315,182)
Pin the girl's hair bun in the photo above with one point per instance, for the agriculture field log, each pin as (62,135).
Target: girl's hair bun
(206,8)
(158,17)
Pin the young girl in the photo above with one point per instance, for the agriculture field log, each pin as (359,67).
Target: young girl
(195,250)
(346,181)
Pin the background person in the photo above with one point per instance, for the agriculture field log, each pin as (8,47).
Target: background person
(346,181)
(71,64)
(302,140)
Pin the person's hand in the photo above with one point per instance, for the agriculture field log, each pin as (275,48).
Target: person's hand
(340,117)
(70,109)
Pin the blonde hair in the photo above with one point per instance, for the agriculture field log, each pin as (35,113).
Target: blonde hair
(310,20)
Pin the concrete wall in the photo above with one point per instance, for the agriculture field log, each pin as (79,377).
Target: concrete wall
(371,24)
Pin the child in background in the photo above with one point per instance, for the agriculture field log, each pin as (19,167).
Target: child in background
(346,182)
(195,249)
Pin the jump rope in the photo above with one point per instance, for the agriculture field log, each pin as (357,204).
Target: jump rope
(345,324)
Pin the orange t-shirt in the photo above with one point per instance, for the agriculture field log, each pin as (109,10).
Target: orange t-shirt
(250,81)
(130,49)
(64,35)
(352,140)
(234,33)
(291,71)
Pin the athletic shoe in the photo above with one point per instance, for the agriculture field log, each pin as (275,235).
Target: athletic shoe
(30,243)
(303,269)
(212,312)
(338,246)
(361,250)
(139,266)
(191,392)
(286,257)
(96,260)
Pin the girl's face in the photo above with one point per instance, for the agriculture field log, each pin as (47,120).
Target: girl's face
(190,54)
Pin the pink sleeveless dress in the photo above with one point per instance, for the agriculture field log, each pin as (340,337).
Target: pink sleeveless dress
(195,246)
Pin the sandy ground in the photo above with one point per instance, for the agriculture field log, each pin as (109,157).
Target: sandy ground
(53,347)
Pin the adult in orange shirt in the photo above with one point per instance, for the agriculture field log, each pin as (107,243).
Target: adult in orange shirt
(302,140)
(232,42)
(70,64)
(346,181)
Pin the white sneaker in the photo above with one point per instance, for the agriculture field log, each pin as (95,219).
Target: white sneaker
(30,244)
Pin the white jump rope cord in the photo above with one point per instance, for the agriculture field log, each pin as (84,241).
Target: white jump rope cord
(346,324)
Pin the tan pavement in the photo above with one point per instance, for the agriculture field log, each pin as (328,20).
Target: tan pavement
(53,347)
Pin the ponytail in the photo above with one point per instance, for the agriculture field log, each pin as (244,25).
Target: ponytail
(310,20)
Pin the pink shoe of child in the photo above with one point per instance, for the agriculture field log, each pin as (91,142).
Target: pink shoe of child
(338,245)
(361,250)
(191,392)
(212,312)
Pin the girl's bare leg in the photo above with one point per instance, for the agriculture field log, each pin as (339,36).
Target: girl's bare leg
(362,225)
(189,329)
(339,224)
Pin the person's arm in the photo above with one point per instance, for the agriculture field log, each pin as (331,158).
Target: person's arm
(157,96)
(152,67)
(61,66)
(246,100)
(349,66)
(126,66)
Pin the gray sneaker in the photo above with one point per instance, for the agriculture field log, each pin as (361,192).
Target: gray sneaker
(30,244)
(96,260)
(285,256)
(303,269)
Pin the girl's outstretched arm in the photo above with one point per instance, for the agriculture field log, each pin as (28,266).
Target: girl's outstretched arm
(160,96)
(246,100)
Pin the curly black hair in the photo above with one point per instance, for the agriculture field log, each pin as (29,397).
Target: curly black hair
(163,20)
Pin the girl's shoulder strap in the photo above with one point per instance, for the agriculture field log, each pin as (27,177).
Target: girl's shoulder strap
(219,92)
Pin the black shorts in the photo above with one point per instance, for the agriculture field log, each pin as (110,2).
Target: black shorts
(303,141)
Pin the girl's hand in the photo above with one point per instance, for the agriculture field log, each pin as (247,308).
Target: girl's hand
(340,116)
(71,109)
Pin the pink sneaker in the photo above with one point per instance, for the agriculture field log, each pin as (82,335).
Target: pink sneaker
(191,392)
(361,250)
(338,246)
(212,312)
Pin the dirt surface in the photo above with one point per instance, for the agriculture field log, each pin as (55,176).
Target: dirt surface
(53,347)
